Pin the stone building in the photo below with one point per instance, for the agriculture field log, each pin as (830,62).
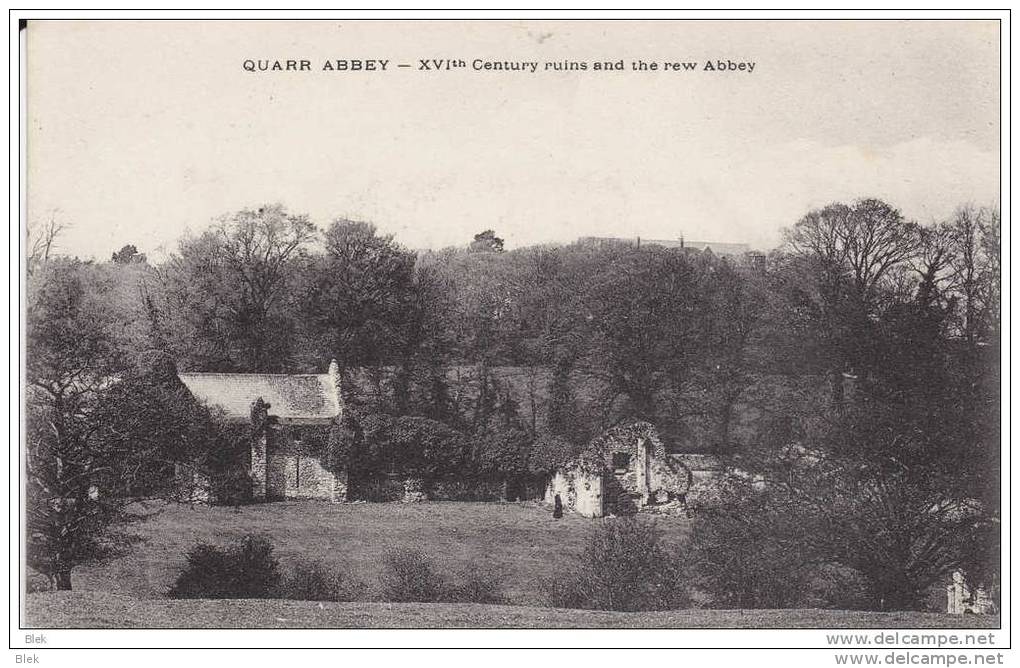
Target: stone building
(717,248)
(282,408)
(626,470)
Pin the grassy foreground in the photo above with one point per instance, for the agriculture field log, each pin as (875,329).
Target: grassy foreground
(97,610)
(521,541)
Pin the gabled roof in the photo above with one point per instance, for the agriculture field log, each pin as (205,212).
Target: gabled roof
(290,397)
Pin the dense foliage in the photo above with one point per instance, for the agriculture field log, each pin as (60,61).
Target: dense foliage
(245,570)
(854,375)
(625,566)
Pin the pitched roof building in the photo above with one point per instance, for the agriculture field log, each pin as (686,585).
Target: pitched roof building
(718,248)
(285,460)
(292,399)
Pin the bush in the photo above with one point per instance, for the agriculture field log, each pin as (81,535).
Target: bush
(245,570)
(315,581)
(377,489)
(625,566)
(478,585)
(410,444)
(410,576)
(466,489)
(749,554)
(37,582)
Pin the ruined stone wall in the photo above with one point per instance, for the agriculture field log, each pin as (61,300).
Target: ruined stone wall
(648,478)
(623,471)
(961,600)
(579,492)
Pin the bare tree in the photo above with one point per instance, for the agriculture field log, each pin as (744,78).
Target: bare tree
(861,242)
(933,262)
(40,241)
(975,269)
(853,256)
(991,249)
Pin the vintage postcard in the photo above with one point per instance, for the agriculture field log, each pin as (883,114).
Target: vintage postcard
(376,323)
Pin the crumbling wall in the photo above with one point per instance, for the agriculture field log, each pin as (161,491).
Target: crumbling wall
(579,491)
(623,471)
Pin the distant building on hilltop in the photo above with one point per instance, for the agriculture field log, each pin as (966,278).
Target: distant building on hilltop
(717,248)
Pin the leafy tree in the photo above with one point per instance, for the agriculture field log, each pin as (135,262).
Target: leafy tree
(731,351)
(899,528)
(486,242)
(223,302)
(408,444)
(565,417)
(888,486)
(648,322)
(550,452)
(744,552)
(99,429)
(486,317)
(420,384)
(356,296)
(503,452)
(86,467)
(129,254)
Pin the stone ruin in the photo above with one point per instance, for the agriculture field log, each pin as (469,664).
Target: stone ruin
(627,470)
(962,601)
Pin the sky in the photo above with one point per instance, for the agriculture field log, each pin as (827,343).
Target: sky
(141,132)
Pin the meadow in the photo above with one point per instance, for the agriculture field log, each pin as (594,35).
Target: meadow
(520,541)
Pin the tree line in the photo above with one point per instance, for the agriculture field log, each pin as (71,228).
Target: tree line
(867,343)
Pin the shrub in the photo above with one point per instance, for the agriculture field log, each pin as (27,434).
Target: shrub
(625,566)
(245,570)
(409,444)
(315,581)
(377,489)
(230,480)
(750,554)
(465,489)
(410,576)
(37,582)
(478,585)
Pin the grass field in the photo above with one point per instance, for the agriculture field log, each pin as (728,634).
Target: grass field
(96,610)
(521,541)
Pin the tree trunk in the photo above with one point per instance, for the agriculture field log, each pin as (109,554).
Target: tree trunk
(62,580)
